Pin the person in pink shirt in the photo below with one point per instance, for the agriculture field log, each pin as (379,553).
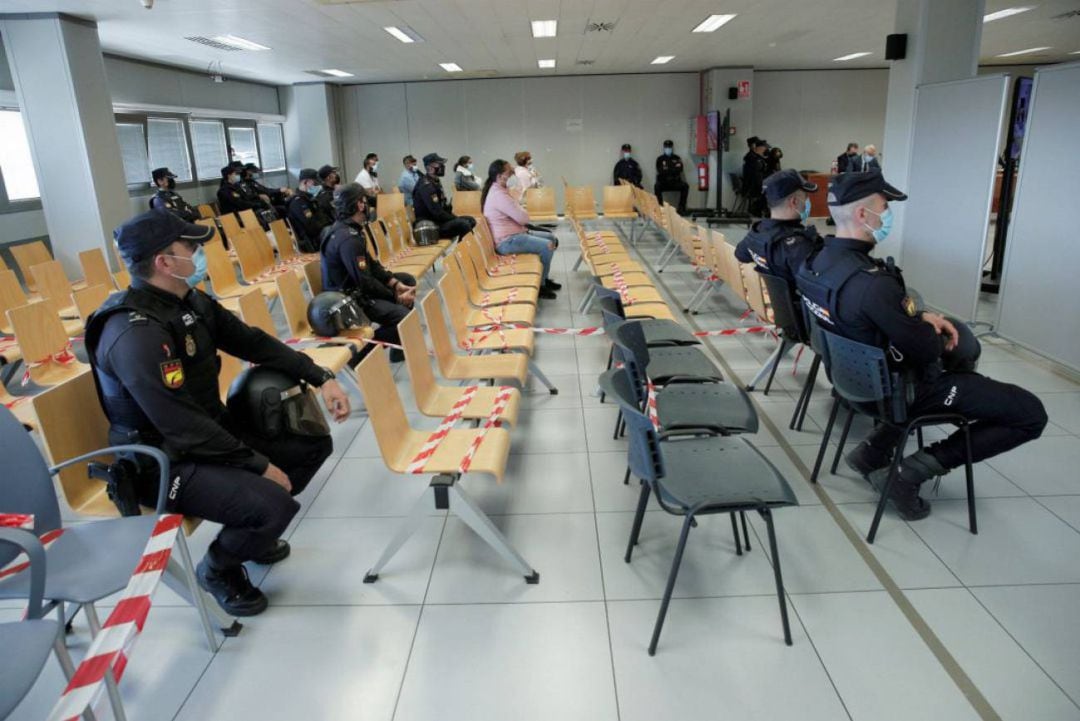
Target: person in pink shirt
(509,224)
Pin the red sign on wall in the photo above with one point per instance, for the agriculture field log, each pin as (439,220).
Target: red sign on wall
(744,88)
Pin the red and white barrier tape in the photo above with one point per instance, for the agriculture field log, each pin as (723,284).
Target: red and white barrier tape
(64,357)
(341,339)
(502,398)
(25,521)
(111,648)
(416,465)
(597,330)
(651,409)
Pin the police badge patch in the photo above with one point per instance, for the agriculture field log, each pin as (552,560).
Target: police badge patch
(908,304)
(172,374)
(189,345)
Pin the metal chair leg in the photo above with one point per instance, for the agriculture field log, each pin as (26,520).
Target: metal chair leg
(815,368)
(767,515)
(639,516)
(843,439)
(894,471)
(626,478)
(735,534)
(745,533)
(675,563)
(825,440)
(969,472)
(919,437)
(775,364)
(618,424)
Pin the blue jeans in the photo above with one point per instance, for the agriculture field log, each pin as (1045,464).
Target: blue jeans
(535,242)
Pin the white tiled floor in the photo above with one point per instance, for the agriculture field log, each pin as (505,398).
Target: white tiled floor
(450,632)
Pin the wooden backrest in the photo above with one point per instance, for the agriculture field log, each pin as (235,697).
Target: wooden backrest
(26,256)
(582,199)
(262,244)
(252,262)
(384,407)
(230,225)
(206,211)
(89,299)
(462,266)
(52,283)
(618,199)
(755,292)
(382,243)
(389,203)
(254,312)
(732,274)
(482,233)
(122,278)
(467,202)
(294,305)
(540,201)
(11,296)
(283,239)
(38,330)
(440,334)
(417,362)
(248,219)
(231,367)
(220,268)
(471,246)
(452,285)
(95,268)
(313,273)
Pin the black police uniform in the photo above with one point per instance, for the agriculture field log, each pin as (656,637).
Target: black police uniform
(154,357)
(849,163)
(669,176)
(753,175)
(778,247)
(347,267)
(170,200)
(256,189)
(308,220)
(628,170)
(864,299)
(232,198)
(430,203)
(325,201)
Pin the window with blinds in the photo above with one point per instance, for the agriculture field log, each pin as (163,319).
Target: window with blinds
(16,163)
(242,142)
(133,149)
(272,146)
(211,153)
(168,147)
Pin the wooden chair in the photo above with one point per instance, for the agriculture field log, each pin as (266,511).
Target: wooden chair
(96,269)
(388,204)
(486,296)
(581,201)
(467,202)
(206,211)
(12,296)
(509,264)
(540,202)
(293,303)
(45,346)
(469,248)
(454,293)
(230,368)
(89,299)
(254,312)
(286,244)
(54,286)
(437,400)
(504,366)
(404,224)
(26,256)
(618,202)
(416,266)
(223,277)
(122,279)
(248,219)
(230,226)
(398,235)
(313,274)
(20,406)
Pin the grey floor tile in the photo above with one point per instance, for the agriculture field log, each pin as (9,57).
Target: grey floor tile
(850,630)
(536,395)
(549,430)
(717,656)
(537,483)
(561,547)
(1067,508)
(366,487)
(1011,681)
(1035,377)
(599,426)
(308,663)
(1043,467)
(1063,409)
(527,662)
(608,469)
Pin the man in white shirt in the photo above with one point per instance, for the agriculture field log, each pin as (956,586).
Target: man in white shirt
(368,178)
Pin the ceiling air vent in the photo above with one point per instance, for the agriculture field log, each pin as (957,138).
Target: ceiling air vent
(320,73)
(585,62)
(592,27)
(211,43)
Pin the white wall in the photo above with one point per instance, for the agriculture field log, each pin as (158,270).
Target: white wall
(813,114)
(495,118)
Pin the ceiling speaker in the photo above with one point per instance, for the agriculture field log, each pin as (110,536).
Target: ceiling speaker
(895,47)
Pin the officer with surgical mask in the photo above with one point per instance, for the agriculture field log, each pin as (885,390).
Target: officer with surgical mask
(154,353)
(853,295)
(232,197)
(307,217)
(627,168)
(168,199)
(778,245)
(669,176)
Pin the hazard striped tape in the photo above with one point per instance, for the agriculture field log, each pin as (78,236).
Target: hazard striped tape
(20,562)
(65,357)
(651,408)
(597,330)
(416,465)
(502,398)
(341,339)
(111,648)
(25,521)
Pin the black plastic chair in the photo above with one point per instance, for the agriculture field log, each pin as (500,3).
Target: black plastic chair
(788,317)
(667,364)
(658,331)
(695,476)
(864,383)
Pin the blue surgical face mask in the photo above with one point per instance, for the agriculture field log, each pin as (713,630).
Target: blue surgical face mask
(805,212)
(314,190)
(198,260)
(375,166)
(234,179)
(668,151)
(880,234)
(626,156)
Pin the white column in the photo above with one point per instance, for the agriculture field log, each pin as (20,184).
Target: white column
(312,137)
(60,84)
(943,44)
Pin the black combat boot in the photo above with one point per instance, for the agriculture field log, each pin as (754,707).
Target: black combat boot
(231,588)
(914,470)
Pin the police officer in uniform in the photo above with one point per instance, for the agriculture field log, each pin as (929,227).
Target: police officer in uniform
(153,349)
(627,168)
(306,215)
(385,297)
(669,176)
(864,299)
(275,198)
(232,196)
(754,170)
(330,177)
(168,199)
(430,201)
(778,245)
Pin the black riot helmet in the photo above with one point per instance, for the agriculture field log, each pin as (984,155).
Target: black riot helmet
(330,313)
(273,405)
(425,233)
(345,199)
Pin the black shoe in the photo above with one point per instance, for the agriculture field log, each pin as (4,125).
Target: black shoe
(232,589)
(278,552)
(865,459)
(552,285)
(396,355)
(547,293)
(914,470)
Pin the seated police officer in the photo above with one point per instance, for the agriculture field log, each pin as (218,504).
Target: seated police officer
(864,299)
(274,198)
(778,245)
(168,199)
(232,195)
(430,201)
(627,168)
(153,349)
(384,297)
(669,176)
(330,177)
(307,217)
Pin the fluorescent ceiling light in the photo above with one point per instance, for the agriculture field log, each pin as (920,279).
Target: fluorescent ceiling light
(450,67)
(235,41)
(544,28)
(662,59)
(1006,13)
(550,63)
(1075,52)
(337,73)
(713,22)
(405,35)
(842,58)
(1023,52)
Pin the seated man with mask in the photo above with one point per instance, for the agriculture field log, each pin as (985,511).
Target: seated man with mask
(778,245)
(430,201)
(308,217)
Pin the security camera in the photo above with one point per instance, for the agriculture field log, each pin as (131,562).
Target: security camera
(147,3)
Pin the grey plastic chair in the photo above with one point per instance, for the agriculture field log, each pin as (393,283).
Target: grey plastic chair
(658,331)
(666,365)
(696,476)
(90,561)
